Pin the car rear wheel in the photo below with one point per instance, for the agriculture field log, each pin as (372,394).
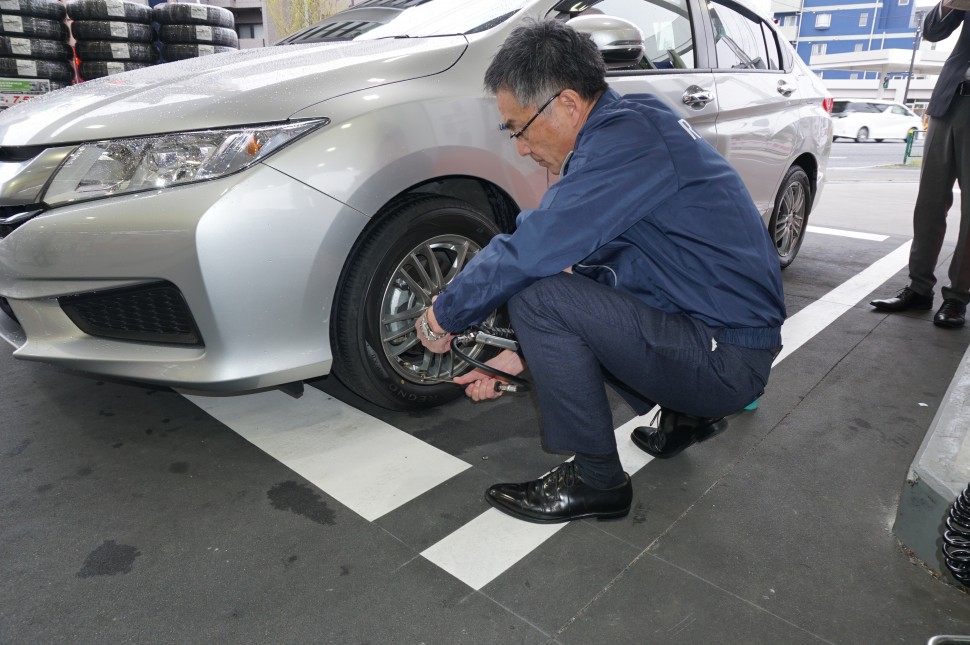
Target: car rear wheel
(862,135)
(410,255)
(790,214)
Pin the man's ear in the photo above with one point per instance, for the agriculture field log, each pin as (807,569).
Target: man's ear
(575,105)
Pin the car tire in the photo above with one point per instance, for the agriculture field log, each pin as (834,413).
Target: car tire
(198,34)
(109,10)
(862,135)
(112,30)
(789,217)
(36,68)
(35,48)
(49,9)
(193,14)
(382,280)
(28,27)
(95,50)
(181,52)
(90,70)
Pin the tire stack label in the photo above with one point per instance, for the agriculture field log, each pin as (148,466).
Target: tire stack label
(114,68)
(9,5)
(119,29)
(203,32)
(13,24)
(205,50)
(119,50)
(115,8)
(199,12)
(20,47)
(26,68)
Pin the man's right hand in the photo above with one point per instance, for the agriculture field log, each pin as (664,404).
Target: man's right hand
(480,385)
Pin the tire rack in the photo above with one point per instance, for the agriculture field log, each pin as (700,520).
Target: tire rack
(34,45)
(192,30)
(112,36)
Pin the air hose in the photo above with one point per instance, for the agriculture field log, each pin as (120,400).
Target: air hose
(956,538)
(502,337)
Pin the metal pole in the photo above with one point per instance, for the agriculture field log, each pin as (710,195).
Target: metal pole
(912,59)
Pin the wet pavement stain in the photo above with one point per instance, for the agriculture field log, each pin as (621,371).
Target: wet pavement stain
(81,473)
(105,413)
(300,499)
(19,448)
(108,559)
(178,467)
(639,514)
(43,488)
(344,570)
(118,445)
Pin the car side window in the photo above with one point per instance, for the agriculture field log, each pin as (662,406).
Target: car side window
(900,111)
(667,37)
(742,41)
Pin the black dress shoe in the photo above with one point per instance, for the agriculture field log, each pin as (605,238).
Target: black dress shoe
(950,314)
(905,299)
(561,496)
(675,433)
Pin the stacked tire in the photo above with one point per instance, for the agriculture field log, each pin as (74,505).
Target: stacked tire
(34,41)
(113,36)
(191,30)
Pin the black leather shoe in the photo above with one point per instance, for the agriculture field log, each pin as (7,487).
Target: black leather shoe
(950,314)
(675,433)
(905,299)
(561,496)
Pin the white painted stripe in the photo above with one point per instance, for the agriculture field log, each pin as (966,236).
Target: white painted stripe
(365,464)
(801,327)
(486,547)
(843,233)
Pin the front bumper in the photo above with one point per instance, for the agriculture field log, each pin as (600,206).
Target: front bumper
(256,257)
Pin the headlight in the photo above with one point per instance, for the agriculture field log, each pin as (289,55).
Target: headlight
(119,166)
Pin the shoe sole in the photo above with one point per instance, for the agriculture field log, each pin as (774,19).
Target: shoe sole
(894,310)
(613,515)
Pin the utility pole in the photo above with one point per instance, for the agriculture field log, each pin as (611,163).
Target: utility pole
(912,59)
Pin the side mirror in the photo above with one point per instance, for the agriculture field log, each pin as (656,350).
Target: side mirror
(619,41)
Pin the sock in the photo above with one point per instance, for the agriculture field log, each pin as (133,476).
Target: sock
(600,471)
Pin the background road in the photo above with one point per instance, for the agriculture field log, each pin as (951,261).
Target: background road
(136,514)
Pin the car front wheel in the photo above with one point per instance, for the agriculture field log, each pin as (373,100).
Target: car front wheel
(862,135)
(410,255)
(790,214)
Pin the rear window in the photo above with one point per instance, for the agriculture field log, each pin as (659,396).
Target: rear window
(856,106)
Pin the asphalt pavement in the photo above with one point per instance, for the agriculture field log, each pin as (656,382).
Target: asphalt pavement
(138,514)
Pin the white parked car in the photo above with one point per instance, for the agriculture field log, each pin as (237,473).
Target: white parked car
(254,218)
(872,119)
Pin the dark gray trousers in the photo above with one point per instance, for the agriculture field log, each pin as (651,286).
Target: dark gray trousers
(573,330)
(946,158)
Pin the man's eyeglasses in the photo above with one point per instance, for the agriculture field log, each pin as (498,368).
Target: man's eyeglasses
(518,133)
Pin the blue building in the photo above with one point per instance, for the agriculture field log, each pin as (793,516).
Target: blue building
(818,27)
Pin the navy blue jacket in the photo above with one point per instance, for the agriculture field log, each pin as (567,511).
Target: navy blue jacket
(647,206)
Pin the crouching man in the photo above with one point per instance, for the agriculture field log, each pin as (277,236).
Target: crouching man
(647,264)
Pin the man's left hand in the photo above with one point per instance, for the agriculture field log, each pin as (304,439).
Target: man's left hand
(439,346)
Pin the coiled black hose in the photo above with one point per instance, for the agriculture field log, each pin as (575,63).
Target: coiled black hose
(502,332)
(956,538)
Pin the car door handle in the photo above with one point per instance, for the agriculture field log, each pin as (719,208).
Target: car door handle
(785,88)
(697,97)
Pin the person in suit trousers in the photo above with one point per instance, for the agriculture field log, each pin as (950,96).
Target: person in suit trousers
(946,158)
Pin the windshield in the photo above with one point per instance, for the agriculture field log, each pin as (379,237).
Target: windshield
(375,19)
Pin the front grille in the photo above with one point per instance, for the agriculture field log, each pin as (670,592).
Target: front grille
(151,313)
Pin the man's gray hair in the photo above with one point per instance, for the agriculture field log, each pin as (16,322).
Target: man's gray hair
(543,58)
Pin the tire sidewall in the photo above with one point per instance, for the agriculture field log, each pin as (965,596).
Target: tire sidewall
(794,175)
(387,247)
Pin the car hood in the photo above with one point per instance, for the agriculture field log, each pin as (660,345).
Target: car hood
(236,88)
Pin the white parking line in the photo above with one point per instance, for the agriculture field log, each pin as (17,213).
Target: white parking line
(373,468)
(843,233)
(365,464)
